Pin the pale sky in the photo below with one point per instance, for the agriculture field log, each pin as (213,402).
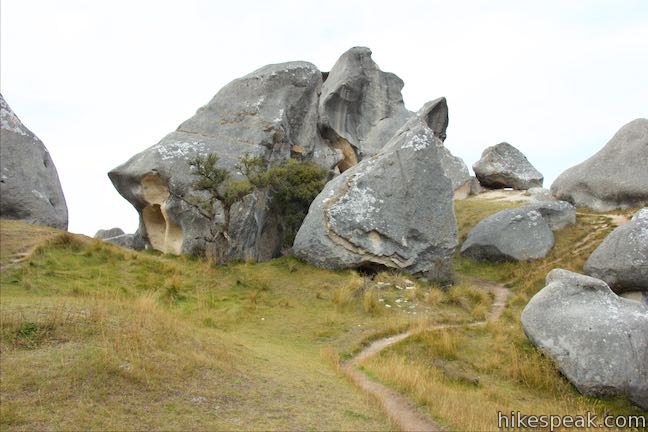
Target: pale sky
(99,81)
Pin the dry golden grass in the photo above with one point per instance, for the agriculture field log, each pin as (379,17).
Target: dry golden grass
(464,377)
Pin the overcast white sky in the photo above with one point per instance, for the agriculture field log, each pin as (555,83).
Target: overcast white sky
(99,81)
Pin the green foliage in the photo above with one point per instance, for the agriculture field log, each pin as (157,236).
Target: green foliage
(210,177)
(234,191)
(292,186)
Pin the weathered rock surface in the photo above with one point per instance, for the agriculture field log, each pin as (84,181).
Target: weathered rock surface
(598,340)
(107,233)
(539,194)
(361,107)
(130,241)
(30,189)
(615,177)
(621,260)
(271,113)
(518,234)
(503,165)
(557,214)
(393,209)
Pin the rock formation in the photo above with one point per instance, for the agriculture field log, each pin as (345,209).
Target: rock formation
(518,234)
(391,210)
(622,259)
(29,185)
(361,107)
(289,110)
(597,339)
(503,165)
(270,113)
(615,177)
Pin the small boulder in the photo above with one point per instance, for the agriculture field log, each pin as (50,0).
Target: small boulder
(621,260)
(597,339)
(30,189)
(130,241)
(557,214)
(615,177)
(539,194)
(392,210)
(503,166)
(107,233)
(518,234)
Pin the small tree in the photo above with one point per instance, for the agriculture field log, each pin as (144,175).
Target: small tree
(291,186)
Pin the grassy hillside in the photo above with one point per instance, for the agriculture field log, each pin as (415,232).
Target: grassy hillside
(93,336)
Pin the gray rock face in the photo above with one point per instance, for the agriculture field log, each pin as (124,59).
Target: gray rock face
(107,233)
(598,340)
(30,189)
(454,168)
(518,234)
(615,177)
(539,194)
(392,210)
(130,241)
(557,214)
(271,113)
(503,166)
(621,259)
(361,107)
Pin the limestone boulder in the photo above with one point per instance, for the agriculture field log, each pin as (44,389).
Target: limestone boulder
(518,234)
(621,260)
(597,339)
(391,210)
(270,113)
(503,166)
(361,107)
(107,233)
(30,189)
(615,177)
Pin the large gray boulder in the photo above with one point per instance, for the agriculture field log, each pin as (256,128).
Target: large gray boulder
(270,113)
(598,340)
(361,107)
(615,177)
(503,165)
(392,210)
(621,260)
(30,189)
(518,234)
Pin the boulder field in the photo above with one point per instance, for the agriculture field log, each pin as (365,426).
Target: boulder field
(335,119)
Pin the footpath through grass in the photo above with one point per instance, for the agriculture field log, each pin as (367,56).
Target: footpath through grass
(465,376)
(93,336)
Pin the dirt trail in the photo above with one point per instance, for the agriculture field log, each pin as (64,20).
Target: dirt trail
(398,407)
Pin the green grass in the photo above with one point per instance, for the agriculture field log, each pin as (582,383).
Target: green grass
(93,336)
